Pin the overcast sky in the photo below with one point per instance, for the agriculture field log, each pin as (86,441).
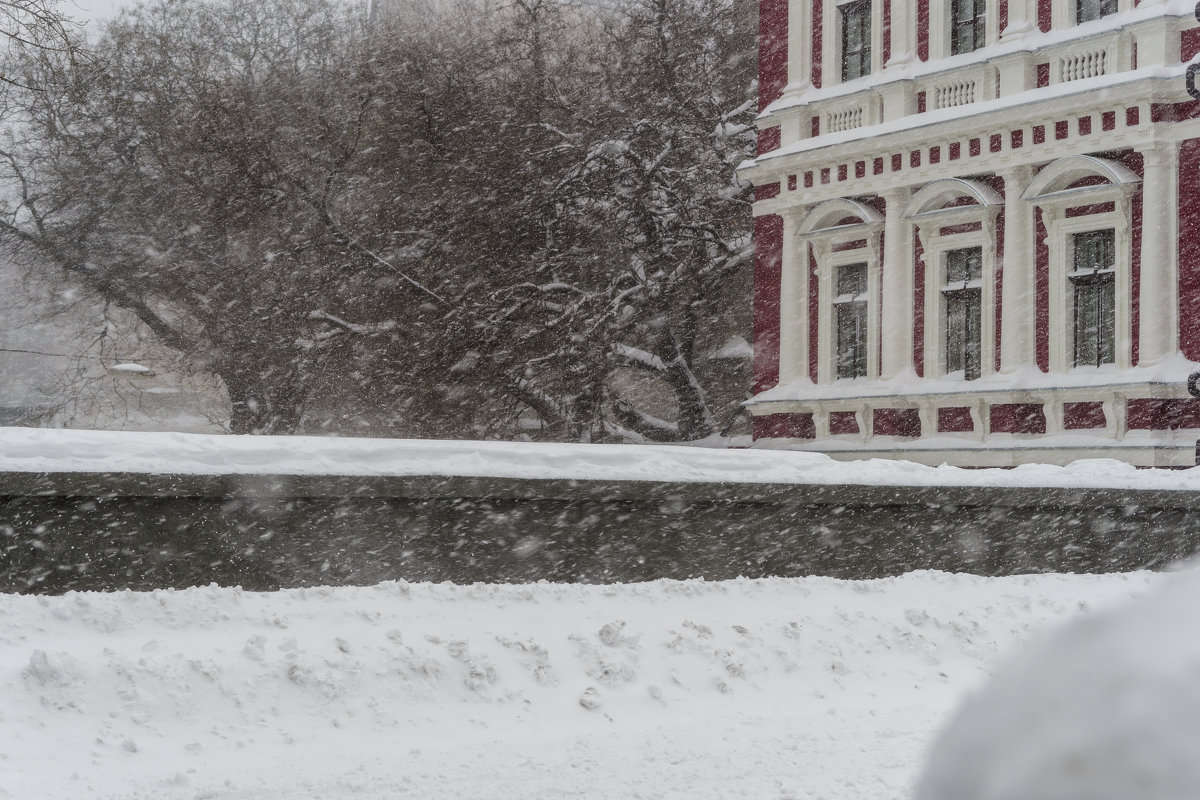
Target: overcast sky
(93,9)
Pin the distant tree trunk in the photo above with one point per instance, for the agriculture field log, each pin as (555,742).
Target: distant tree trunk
(262,405)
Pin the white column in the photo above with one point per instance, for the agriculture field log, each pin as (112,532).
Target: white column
(1022,18)
(896,305)
(831,71)
(793,301)
(927,410)
(821,422)
(1052,409)
(903,43)
(799,47)
(825,344)
(1158,326)
(1018,294)
(864,417)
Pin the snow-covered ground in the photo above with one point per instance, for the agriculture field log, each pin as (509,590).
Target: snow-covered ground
(772,689)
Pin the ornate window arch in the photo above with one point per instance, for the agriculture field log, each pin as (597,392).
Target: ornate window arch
(838,234)
(955,217)
(1078,197)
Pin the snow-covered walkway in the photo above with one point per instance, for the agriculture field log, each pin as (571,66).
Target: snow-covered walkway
(799,688)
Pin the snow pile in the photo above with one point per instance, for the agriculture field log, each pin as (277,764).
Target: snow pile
(46,450)
(1106,709)
(798,688)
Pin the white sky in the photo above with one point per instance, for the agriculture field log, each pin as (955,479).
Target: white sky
(93,9)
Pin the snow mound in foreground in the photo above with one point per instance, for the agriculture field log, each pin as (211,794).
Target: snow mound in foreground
(782,689)
(1108,708)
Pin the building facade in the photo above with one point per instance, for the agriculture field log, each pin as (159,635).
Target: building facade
(977,230)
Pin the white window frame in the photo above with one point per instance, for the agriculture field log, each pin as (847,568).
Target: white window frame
(831,44)
(936,246)
(1063,15)
(1060,232)
(941,17)
(819,231)
(828,261)
(944,288)
(928,224)
(1050,195)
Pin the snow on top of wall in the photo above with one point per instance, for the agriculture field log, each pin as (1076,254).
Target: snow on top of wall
(47,450)
(783,688)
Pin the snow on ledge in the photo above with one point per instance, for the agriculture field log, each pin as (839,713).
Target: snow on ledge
(38,450)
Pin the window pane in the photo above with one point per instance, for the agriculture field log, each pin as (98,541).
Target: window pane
(1088,10)
(956,328)
(1095,250)
(973,349)
(964,332)
(1095,321)
(856,39)
(852,280)
(851,339)
(1106,325)
(851,320)
(1086,333)
(964,265)
(968,26)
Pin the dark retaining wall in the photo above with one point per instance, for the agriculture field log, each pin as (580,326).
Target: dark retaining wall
(60,532)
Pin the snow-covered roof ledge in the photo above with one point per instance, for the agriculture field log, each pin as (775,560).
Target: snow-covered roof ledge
(1169,374)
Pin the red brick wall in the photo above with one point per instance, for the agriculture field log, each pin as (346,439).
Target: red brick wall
(1189,248)
(783,426)
(772,50)
(768,264)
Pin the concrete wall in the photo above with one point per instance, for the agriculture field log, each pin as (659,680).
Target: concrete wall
(79,531)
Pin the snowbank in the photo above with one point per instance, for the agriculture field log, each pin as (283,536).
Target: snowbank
(44,450)
(799,688)
(1106,709)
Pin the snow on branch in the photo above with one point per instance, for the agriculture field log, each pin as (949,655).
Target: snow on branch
(360,328)
(635,357)
(647,425)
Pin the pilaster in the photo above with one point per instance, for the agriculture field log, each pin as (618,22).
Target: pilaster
(1018,285)
(1158,295)
(799,78)
(1022,19)
(896,307)
(793,301)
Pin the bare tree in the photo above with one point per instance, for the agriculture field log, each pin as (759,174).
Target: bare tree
(37,23)
(189,172)
(477,221)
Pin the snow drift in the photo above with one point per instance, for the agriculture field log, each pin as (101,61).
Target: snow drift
(1106,709)
(797,688)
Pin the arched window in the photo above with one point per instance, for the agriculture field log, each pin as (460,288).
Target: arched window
(841,238)
(955,221)
(1084,203)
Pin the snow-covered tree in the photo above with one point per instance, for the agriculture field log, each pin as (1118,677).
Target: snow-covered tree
(456,223)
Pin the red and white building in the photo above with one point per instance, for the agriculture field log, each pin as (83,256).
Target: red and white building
(977,230)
